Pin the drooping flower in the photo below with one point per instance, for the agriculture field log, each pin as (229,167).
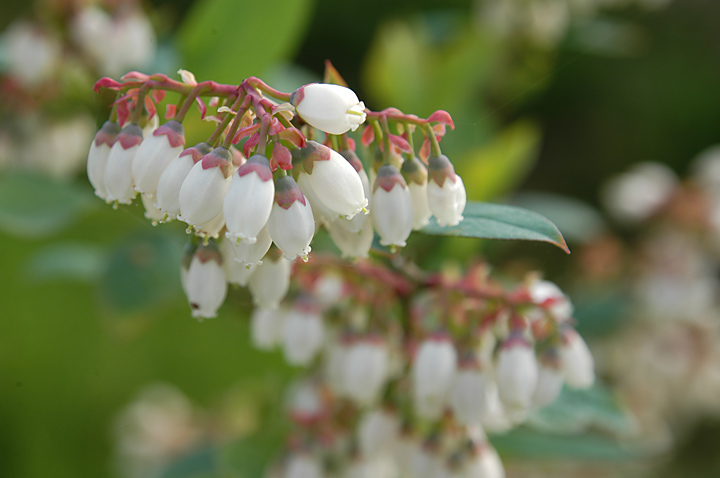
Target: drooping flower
(467,397)
(517,375)
(415,175)
(270,282)
(252,254)
(377,432)
(154,155)
(203,191)
(366,368)
(249,200)
(550,379)
(446,192)
(393,213)
(167,196)
(118,169)
(433,373)
(577,361)
(98,155)
(291,224)
(205,283)
(357,223)
(235,272)
(333,180)
(302,333)
(266,327)
(334,109)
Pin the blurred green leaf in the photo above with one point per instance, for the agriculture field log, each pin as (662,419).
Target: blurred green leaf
(578,220)
(68,261)
(142,272)
(228,40)
(34,205)
(496,221)
(202,463)
(495,169)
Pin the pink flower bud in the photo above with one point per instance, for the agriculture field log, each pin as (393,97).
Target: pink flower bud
(446,192)
(577,361)
(291,224)
(334,109)
(155,154)
(205,284)
(433,374)
(270,282)
(517,375)
(98,155)
(302,334)
(167,196)
(203,191)
(118,170)
(366,369)
(393,213)
(249,200)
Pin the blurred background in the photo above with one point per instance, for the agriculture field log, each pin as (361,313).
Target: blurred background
(599,114)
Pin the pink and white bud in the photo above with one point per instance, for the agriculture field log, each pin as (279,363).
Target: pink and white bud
(252,254)
(302,334)
(291,224)
(446,192)
(334,109)
(577,361)
(249,200)
(155,154)
(266,328)
(303,466)
(517,376)
(433,374)
(333,180)
(352,245)
(270,282)
(415,174)
(205,283)
(393,213)
(98,156)
(322,214)
(467,398)
(235,272)
(152,213)
(118,170)
(548,295)
(377,432)
(550,380)
(203,191)
(366,370)
(167,195)
(484,463)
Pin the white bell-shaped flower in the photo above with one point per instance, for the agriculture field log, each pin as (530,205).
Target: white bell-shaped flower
(446,192)
(303,466)
(211,228)
(203,191)
(205,283)
(302,334)
(393,213)
(494,418)
(291,224)
(358,221)
(577,361)
(433,374)
(639,193)
(517,375)
(152,213)
(155,154)
(352,245)
(366,369)
(377,432)
(30,54)
(322,214)
(333,179)
(550,380)
(98,155)
(467,397)
(484,463)
(329,289)
(415,174)
(249,200)
(266,328)
(167,195)
(334,109)
(118,169)
(235,272)
(252,254)
(270,282)
(548,295)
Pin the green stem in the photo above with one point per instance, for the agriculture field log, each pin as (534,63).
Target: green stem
(344,143)
(263,139)
(245,99)
(430,133)
(227,117)
(140,105)
(385,138)
(334,142)
(406,125)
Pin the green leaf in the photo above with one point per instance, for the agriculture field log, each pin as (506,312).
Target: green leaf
(497,221)
(34,205)
(495,169)
(202,463)
(227,40)
(68,261)
(142,272)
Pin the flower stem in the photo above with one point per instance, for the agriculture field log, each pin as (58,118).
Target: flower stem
(430,133)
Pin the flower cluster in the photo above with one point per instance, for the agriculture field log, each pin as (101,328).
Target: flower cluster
(406,370)
(279,185)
